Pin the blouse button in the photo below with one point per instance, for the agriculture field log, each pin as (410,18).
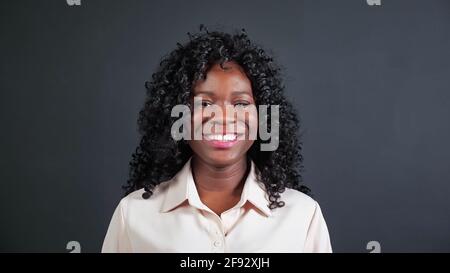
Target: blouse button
(217,243)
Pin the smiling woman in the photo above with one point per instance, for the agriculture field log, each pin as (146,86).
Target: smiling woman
(220,192)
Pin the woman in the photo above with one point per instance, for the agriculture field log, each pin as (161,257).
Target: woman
(219,193)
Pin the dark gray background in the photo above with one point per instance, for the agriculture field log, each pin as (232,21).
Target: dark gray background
(371,84)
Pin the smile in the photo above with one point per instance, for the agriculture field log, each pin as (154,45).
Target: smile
(219,137)
(221,141)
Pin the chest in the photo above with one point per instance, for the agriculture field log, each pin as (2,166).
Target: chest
(191,231)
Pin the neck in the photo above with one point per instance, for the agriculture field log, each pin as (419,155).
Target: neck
(210,179)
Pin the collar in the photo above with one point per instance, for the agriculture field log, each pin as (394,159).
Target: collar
(182,187)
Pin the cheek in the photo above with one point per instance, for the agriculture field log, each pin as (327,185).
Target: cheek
(249,124)
(196,120)
(253,122)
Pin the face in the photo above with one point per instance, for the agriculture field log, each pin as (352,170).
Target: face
(225,138)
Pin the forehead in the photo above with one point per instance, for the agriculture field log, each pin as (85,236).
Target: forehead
(232,78)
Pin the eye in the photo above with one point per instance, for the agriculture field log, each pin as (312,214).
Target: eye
(206,103)
(241,104)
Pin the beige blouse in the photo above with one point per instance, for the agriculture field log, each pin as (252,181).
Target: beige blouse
(174,219)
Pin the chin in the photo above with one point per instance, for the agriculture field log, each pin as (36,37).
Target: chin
(222,158)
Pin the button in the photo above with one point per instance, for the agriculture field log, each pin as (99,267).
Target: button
(217,243)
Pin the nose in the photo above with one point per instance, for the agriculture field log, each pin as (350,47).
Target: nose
(224,120)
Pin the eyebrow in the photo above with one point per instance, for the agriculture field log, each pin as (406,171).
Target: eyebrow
(212,94)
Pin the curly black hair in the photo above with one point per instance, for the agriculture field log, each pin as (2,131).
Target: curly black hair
(158,157)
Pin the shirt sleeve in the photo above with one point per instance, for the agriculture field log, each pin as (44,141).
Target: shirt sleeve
(116,239)
(317,238)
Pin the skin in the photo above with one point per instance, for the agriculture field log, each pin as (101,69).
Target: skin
(220,173)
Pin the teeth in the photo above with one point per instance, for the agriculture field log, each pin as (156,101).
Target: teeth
(227,137)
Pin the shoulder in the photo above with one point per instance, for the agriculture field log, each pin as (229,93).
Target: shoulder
(134,201)
(298,201)
(301,210)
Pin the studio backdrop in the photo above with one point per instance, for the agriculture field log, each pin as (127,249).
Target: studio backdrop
(370,81)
